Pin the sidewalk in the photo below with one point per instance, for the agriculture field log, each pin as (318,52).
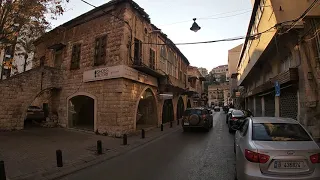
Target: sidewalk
(30,154)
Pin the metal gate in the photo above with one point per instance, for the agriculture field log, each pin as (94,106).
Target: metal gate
(289,103)
(258,107)
(269,105)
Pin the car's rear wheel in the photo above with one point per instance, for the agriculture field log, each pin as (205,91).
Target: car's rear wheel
(185,129)
(230,130)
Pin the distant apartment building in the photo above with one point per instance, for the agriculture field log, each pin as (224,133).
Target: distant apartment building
(220,72)
(233,59)
(280,68)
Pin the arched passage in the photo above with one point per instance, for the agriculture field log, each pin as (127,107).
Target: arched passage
(146,110)
(180,108)
(81,112)
(167,111)
(189,104)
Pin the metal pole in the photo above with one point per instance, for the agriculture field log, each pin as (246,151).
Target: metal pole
(161,127)
(59,158)
(2,171)
(143,133)
(99,147)
(125,140)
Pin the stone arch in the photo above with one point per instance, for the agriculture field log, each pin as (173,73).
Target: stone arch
(28,103)
(180,107)
(146,98)
(167,111)
(189,104)
(89,97)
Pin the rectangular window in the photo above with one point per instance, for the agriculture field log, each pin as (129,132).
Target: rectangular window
(137,51)
(100,50)
(75,57)
(152,60)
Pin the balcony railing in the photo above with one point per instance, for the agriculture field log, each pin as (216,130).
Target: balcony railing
(289,76)
(149,69)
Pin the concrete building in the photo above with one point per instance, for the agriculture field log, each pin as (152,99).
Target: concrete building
(279,68)
(203,71)
(218,94)
(196,86)
(220,72)
(102,73)
(233,60)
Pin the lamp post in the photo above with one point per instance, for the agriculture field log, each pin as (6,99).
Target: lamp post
(195,27)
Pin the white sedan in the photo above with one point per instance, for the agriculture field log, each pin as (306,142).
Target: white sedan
(272,148)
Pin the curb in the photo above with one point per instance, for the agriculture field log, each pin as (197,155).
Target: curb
(72,168)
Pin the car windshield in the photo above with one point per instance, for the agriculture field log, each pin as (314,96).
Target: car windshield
(192,111)
(237,113)
(279,132)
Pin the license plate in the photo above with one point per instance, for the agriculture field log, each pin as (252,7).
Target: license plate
(288,164)
(185,123)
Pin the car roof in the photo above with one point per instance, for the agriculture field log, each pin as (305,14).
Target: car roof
(273,120)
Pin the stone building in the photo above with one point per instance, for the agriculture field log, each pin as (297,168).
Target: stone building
(218,94)
(233,60)
(203,71)
(279,68)
(196,87)
(109,71)
(220,72)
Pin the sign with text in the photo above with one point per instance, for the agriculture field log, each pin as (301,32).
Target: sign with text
(121,71)
(277,88)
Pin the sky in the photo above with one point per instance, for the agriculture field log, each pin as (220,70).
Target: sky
(229,18)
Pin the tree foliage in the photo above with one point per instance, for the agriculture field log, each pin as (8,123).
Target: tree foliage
(17,16)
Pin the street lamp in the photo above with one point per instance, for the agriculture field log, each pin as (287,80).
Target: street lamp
(195,27)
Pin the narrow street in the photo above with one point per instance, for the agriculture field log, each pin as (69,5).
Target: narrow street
(190,156)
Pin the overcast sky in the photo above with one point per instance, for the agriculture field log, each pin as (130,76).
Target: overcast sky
(230,18)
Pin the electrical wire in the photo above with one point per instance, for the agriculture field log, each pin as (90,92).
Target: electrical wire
(304,14)
(210,17)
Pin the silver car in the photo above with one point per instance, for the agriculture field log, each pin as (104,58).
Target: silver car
(270,148)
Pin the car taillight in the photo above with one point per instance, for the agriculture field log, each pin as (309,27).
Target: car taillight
(203,116)
(315,158)
(256,157)
(234,119)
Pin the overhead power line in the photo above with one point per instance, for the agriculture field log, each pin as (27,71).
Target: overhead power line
(304,14)
(210,17)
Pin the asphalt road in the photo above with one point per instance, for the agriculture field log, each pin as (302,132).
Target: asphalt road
(193,155)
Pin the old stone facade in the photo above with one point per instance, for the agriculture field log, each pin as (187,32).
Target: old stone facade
(218,94)
(279,70)
(116,74)
(196,87)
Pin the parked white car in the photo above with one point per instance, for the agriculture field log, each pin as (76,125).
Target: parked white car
(271,148)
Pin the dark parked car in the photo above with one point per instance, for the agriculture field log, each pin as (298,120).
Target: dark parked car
(35,113)
(217,109)
(225,109)
(234,117)
(197,118)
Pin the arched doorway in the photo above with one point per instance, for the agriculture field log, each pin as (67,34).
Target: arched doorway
(167,111)
(180,108)
(81,112)
(189,104)
(146,110)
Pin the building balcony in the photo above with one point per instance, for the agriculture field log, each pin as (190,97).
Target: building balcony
(149,68)
(290,76)
(171,84)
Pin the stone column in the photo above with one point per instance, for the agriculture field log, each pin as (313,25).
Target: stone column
(277,106)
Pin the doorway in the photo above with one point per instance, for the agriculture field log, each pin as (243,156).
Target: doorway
(146,111)
(167,111)
(81,112)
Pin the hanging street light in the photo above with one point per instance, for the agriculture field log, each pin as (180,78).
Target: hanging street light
(195,27)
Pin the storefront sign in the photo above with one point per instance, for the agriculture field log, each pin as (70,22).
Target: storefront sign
(121,71)
(277,88)
(237,94)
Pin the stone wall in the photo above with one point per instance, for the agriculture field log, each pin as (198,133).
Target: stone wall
(20,91)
